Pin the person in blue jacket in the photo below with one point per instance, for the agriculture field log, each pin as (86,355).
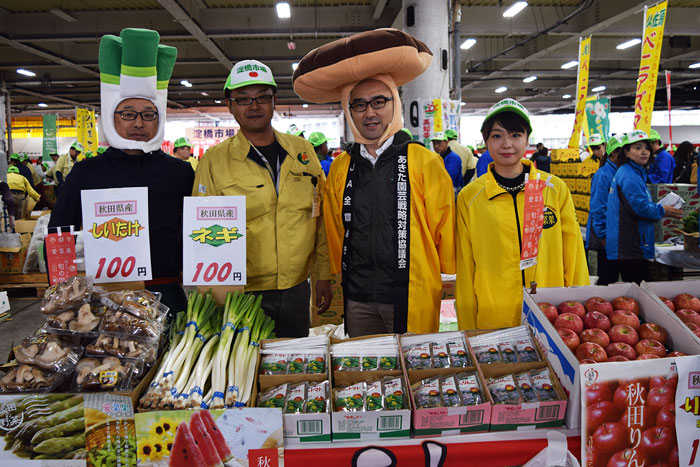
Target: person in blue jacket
(608,272)
(453,164)
(482,165)
(663,167)
(631,214)
(320,143)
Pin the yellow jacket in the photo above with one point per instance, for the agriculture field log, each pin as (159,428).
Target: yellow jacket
(20,183)
(35,176)
(193,162)
(465,154)
(65,164)
(489,290)
(431,248)
(283,240)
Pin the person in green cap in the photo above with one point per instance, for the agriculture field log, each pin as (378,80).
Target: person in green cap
(482,165)
(491,229)
(294,130)
(134,71)
(596,146)
(25,161)
(465,154)
(181,150)
(101,150)
(20,188)
(453,163)
(320,143)
(629,223)
(663,164)
(66,162)
(16,161)
(282,182)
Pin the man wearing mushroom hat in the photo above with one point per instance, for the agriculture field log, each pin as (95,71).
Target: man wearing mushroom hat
(389,203)
(282,180)
(134,74)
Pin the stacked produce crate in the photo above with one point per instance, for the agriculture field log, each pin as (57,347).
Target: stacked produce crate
(668,227)
(567,165)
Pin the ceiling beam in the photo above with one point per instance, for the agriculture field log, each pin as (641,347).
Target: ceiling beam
(379,9)
(53,58)
(48,97)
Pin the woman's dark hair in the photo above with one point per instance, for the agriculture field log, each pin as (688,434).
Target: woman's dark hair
(606,156)
(508,120)
(623,159)
(684,153)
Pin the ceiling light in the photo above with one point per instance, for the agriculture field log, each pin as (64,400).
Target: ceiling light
(295,65)
(566,96)
(693,66)
(283,10)
(570,64)
(462,103)
(186,83)
(516,8)
(628,44)
(468,44)
(306,106)
(204,93)
(598,89)
(529,79)
(64,16)
(24,72)
(501,89)
(217,101)
(41,104)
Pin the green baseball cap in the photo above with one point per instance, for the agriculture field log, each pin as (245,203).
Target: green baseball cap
(89,155)
(77,146)
(635,136)
(509,105)
(294,130)
(317,138)
(24,157)
(613,143)
(408,132)
(12,169)
(654,135)
(100,150)
(481,145)
(450,134)
(247,72)
(15,157)
(595,140)
(471,148)
(182,142)
(438,136)
(45,166)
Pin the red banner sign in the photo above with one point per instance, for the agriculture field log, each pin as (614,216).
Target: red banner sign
(60,257)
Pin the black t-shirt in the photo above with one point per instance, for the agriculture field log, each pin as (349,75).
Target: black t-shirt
(274,153)
(511,182)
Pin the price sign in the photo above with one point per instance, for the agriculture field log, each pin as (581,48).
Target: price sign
(60,257)
(117,245)
(213,240)
(687,409)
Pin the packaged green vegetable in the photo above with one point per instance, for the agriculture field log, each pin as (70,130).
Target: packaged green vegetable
(350,398)
(273,364)
(315,364)
(346,363)
(273,397)
(393,393)
(317,397)
(296,399)
(370,363)
(297,364)
(390,362)
(375,397)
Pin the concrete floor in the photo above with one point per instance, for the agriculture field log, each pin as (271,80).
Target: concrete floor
(26,319)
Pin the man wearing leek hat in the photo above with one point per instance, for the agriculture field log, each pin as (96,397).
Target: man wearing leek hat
(134,74)
(663,164)
(389,203)
(181,150)
(282,181)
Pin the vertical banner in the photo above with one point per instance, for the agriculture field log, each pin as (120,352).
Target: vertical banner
(584,59)
(117,243)
(654,20)
(80,125)
(436,116)
(668,102)
(87,129)
(533,220)
(50,145)
(598,115)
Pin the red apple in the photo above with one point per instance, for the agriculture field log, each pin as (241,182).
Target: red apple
(569,321)
(624,317)
(599,304)
(652,331)
(673,457)
(549,310)
(650,346)
(694,328)
(689,316)
(618,358)
(572,306)
(597,320)
(629,458)
(569,337)
(611,437)
(667,417)
(598,392)
(668,303)
(599,413)
(621,349)
(595,335)
(686,301)
(590,350)
(626,303)
(587,361)
(657,443)
(623,333)
(647,356)
(676,353)
(660,396)
(671,379)
(629,395)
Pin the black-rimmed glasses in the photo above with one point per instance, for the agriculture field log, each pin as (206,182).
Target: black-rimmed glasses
(376,103)
(264,99)
(146,115)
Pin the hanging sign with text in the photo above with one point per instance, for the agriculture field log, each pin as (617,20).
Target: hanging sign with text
(117,244)
(214,241)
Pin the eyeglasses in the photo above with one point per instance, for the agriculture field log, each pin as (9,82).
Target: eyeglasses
(146,115)
(376,103)
(264,99)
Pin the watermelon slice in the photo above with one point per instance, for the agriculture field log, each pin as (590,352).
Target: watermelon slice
(185,452)
(215,434)
(205,442)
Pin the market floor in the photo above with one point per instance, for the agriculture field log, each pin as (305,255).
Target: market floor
(26,319)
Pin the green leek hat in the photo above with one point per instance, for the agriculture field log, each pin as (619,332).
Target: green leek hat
(294,130)
(15,157)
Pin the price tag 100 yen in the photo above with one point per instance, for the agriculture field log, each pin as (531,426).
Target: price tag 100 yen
(116,234)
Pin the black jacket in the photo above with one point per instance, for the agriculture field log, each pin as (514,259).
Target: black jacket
(371,258)
(168,180)
(542,160)
(26,173)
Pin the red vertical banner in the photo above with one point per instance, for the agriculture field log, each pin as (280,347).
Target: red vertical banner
(60,257)
(668,101)
(533,221)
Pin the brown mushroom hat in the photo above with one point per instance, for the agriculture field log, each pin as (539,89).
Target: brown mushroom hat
(325,71)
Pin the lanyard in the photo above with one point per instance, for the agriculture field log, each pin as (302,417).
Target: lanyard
(269,168)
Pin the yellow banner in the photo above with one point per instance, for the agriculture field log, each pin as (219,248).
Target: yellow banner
(437,119)
(584,60)
(654,20)
(87,129)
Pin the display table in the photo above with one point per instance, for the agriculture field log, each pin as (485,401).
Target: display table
(487,449)
(676,256)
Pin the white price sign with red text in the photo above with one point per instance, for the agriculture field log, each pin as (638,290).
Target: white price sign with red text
(687,408)
(213,240)
(116,234)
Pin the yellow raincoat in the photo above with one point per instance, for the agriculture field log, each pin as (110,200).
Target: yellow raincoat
(431,247)
(19,182)
(283,240)
(489,291)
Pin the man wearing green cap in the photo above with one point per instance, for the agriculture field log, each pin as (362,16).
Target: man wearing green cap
(465,154)
(294,130)
(66,162)
(320,143)
(101,150)
(282,183)
(491,228)
(25,161)
(453,164)
(16,160)
(181,150)
(482,165)
(662,168)
(20,188)
(134,72)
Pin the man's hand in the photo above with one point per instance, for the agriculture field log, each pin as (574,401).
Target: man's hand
(12,222)
(670,211)
(324,295)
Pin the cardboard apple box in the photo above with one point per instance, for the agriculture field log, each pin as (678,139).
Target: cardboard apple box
(565,364)
(671,289)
